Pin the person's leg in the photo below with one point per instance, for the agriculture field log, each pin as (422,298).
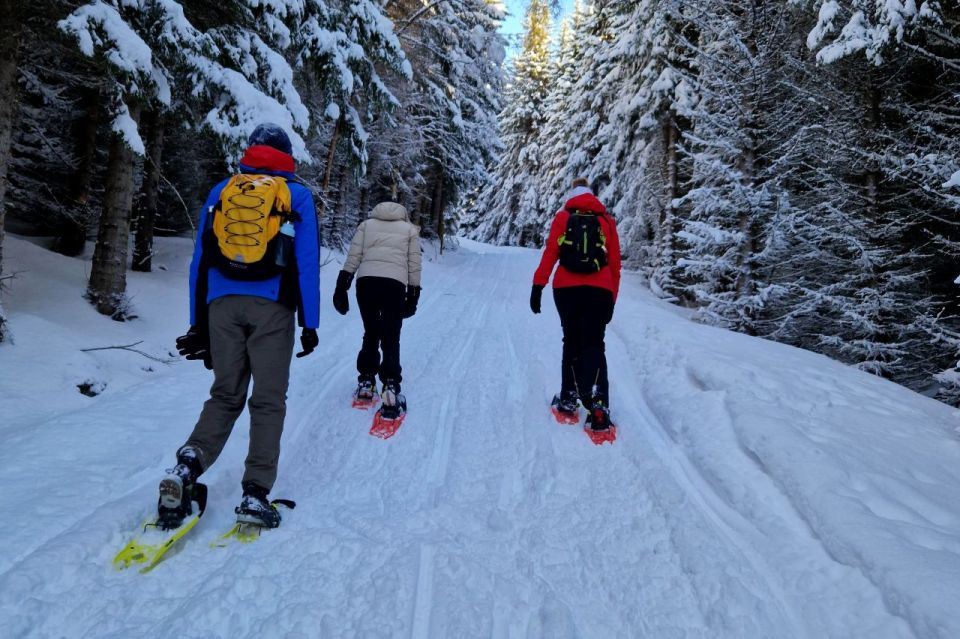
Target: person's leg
(392,296)
(368,359)
(595,305)
(270,347)
(231,370)
(565,300)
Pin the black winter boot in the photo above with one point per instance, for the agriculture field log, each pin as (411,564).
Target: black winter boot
(176,489)
(599,416)
(366,389)
(255,508)
(565,402)
(394,404)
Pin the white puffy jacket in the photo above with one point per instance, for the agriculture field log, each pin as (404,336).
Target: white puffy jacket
(386,245)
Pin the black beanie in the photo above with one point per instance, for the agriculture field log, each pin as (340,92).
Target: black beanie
(272,135)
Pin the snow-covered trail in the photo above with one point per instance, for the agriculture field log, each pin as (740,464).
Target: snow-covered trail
(482,517)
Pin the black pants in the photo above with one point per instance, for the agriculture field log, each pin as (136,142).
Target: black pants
(381,302)
(584,313)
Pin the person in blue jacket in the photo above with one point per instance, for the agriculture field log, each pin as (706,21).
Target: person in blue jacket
(244,329)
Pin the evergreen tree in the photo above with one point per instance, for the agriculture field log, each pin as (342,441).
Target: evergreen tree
(339,49)
(567,60)
(641,151)
(735,193)
(146,49)
(455,98)
(9,50)
(887,303)
(511,207)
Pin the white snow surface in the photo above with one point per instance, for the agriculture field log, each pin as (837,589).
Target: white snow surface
(755,490)
(954,181)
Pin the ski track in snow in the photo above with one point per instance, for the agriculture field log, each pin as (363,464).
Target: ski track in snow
(480,518)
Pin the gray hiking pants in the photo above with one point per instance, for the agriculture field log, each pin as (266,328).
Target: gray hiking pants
(249,336)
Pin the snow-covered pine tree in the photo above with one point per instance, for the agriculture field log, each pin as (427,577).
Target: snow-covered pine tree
(568,58)
(123,57)
(596,83)
(892,144)
(152,56)
(740,132)
(340,49)
(643,132)
(457,56)
(241,71)
(14,12)
(511,208)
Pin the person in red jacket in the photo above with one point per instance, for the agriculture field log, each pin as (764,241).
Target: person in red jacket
(583,238)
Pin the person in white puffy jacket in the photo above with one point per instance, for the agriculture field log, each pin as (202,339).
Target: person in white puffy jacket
(385,259)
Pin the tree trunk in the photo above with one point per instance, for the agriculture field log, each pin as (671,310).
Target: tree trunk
(328,169)
(331,152)
(364,201)
(341,188)
(108,275)
(745,225)
(872,177)
(668,216)
(9,48)
(143,245)
(436,203)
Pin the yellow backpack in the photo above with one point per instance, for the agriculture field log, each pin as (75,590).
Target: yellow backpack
(246,227)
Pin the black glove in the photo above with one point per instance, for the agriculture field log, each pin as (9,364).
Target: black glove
(309,341)
(340,301)
(536,294)
(196,345)
(410,303)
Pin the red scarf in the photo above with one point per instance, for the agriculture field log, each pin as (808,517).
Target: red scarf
(267,158)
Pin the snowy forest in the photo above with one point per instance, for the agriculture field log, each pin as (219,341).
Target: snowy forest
(757,429)
(788,168)
(791,168)
(116,116)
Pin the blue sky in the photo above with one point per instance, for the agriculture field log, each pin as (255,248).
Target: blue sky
(514,23)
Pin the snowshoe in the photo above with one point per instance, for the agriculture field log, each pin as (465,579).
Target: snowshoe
(599,428)
(255,509)
(393,409)
(158,535)
(250,520)
(565,408)
(365,396)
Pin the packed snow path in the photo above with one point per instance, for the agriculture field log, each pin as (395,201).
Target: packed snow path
(754,491)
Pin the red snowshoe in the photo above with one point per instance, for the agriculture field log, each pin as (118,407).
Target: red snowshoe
(565,409)
(391,414)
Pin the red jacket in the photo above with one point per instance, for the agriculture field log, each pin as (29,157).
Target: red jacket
(608,277)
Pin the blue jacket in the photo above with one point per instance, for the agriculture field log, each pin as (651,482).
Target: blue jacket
(306,248)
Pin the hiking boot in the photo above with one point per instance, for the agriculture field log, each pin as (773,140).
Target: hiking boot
(176,489)
(255,508)
(565,402)
(393,403)
(366,389)
(599,417)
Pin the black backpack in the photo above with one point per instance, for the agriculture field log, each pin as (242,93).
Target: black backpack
(583,246)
